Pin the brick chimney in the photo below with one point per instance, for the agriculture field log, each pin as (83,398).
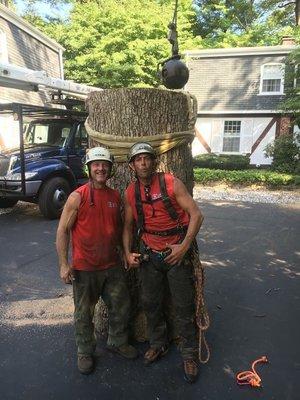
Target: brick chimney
(287,41)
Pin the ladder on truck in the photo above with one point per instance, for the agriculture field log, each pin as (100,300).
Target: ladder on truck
(12,76)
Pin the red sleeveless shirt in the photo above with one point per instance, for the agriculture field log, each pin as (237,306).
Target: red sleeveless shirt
(97,230)
(156,216)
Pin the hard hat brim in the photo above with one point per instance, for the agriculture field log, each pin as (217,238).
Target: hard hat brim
(99,159)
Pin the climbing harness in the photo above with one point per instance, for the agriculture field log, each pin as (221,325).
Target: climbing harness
(202,317)
(251,377)
(179,229)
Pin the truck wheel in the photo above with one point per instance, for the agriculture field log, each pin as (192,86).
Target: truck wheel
(54,194)
(5,203)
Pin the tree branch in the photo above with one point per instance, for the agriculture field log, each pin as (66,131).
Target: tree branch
(286,4)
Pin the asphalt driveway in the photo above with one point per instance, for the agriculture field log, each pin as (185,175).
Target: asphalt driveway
(251,253)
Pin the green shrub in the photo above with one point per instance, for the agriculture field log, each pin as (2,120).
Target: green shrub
(246,177)
(285,151)
(228,162)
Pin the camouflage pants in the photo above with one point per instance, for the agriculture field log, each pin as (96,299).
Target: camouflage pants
(180,278)
(88,286)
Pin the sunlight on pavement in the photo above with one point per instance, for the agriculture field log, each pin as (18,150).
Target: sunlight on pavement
(44,312)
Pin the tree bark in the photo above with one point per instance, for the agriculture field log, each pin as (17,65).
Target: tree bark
(140,113)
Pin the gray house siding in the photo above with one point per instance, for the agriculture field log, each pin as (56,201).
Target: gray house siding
(231,83)
(26,51)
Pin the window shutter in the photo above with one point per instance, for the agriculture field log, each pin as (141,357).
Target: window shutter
(246,136)
(217,135)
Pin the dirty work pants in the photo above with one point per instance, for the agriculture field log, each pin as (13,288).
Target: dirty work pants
(182,287)
(88,286)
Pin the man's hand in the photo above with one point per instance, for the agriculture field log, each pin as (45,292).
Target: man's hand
(177,253)
(66,273)
(133,260)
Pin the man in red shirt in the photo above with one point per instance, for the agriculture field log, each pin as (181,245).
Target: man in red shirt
(92,217)
(167,220)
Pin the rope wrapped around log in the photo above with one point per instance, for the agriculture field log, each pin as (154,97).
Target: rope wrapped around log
(120,145)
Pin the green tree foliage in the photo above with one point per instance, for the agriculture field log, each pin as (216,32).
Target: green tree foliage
(224,23)
(8,3)
(119,43)
(112,43)
(291,104)
(285,151)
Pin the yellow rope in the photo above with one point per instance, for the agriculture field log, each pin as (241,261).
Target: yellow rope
(119,145)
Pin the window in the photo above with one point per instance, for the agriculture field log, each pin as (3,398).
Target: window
(3,47)
(272,79)
(231,136)
(81,137)
(52,133)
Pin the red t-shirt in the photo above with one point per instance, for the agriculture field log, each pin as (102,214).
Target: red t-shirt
(156,216)
(97,230)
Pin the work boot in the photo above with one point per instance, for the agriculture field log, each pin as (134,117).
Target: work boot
(154,354)
(125,350)
(85,364)
(190,369)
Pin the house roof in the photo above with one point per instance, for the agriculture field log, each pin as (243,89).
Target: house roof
(239,51)
(25,26)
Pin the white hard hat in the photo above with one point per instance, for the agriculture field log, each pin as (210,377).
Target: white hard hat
(141,148)
(98,154)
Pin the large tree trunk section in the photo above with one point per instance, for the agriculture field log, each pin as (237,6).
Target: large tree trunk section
(140,113)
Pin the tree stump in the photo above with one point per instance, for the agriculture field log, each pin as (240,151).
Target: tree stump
(137,114)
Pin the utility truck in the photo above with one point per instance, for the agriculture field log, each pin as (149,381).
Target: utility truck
(42,152)
(45,162)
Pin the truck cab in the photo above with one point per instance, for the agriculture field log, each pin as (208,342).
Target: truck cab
(48,162)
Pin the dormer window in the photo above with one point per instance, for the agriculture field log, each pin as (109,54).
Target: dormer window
(272,79)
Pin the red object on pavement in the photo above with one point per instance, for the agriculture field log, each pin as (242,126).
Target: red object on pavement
(251,377)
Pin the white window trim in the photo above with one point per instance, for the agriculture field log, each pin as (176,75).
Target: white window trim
(3,47)
(297,68)
(281,92)
(231,152)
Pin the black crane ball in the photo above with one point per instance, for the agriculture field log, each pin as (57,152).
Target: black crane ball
(174,74)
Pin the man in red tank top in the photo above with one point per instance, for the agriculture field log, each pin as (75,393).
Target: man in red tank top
(92,217)
(168,220)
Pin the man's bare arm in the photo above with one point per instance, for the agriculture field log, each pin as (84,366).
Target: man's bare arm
(66,222)
(188,204)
